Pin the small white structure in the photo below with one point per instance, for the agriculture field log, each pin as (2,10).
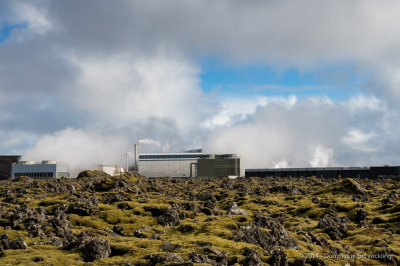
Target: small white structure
(110,169)
(44,169)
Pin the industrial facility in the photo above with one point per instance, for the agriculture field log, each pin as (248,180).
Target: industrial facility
(188,164)
(327,172)
(44,169)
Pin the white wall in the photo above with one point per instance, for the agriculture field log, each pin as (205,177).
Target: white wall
(58,169)
(108,169)
(161,168)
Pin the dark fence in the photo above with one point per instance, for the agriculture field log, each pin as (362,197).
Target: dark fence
(332,172)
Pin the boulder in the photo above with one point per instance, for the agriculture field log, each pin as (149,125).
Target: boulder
(72,241)
(170,247)
(361,215)
(210,256)
(187,228)
(353,186)
(205,196)
(200,258)
(162,259)
(219,257)
(111,197)
(333,225)
(118,229)
(279,258)
(169,218)
(233,209)
(154,210)
(84,206)
(18,243)
(278,232)
(253,235)
(316,240)
(96,248)
(252,258)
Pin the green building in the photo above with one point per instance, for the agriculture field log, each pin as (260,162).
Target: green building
(218,165)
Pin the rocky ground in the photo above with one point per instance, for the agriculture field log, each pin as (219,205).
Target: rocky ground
(132,220)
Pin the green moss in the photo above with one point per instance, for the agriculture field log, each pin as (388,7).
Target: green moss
(49,255)
(88,221)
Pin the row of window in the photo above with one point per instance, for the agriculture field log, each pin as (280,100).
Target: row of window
(170,156)
(36,175)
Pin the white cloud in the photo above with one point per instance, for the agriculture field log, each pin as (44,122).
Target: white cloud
(37,17)
(359,140)
(133,66)
(313,132)
(236,110)
(322,157)
(80,148)
(125,88)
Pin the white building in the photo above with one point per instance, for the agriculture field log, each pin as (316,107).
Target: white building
(188,164)
(168,164)
(44,169)
(110,169)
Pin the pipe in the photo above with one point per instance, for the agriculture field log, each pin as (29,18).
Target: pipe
(127,169)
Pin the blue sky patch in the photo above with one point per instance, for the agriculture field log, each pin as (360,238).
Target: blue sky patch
(6,30)
(338,82)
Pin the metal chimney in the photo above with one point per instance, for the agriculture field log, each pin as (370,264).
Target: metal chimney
(137,157)
(127,163)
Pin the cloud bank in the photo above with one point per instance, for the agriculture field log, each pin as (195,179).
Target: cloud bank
(82,81)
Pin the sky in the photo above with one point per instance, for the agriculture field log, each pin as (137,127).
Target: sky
(281,83)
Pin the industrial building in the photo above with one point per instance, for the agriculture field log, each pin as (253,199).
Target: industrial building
(188,164)
(218,165)
(109,169)
(327,172)
(44,169)
(5,165)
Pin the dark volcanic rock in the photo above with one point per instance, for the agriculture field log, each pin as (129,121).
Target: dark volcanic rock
(169,218)
(205,196)
(154,210)
(254,235)
(219,257)
(200,258)
(112,197)
(211,256)
(361,215)
(290,190)
(333,225)
(85,206)
(162,259)
(11,198)
(72,241)
(186,228)
(18,243)
(118,229)
(279,258)
(60,222)
(170,247)
(252,258)
(95,249)
(33,221)
(55,242)
(278,232)
(316,240)
(350,185)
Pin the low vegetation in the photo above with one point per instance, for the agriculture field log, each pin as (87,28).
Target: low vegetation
(133,220)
